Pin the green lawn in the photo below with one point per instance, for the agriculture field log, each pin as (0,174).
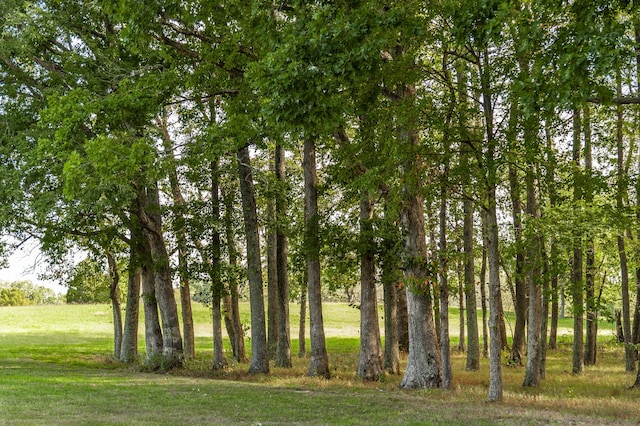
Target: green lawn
(56,368)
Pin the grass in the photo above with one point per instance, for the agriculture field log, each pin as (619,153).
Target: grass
(56,368)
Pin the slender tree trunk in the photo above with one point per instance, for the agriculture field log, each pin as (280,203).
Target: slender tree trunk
(624,268)
(283,353)
(181,240)
(460,273)
(259,354)
(495,299)
(483,291)
(238,336)
(473,344)
(545,313)
(129,347)
(272,281)
(390,268)
(302,342)
(227,316)
(517,345)
(532,374)
(319,365)
(576,275)
(114,295)
(403,319)
(217,286)
(370,358)
(592,325)
(552,268)
(445,347)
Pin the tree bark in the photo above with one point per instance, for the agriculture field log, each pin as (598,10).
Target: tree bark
(624,268)
(283,353)
(473,344)
(153,332)
(302,341)
(517,345)
(152,225)
(424,365)
(390,277)
(370,358)
(483,291)
(319,364)
(238,335)
(592,314)
(259,354)
(217,286)
(445,343)
(576,266)
(496,319)
(114,295)
(129,347)
(532,373)
(181,240)
(272,281)
(403,319)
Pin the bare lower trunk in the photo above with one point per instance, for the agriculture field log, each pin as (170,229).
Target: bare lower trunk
(391,349)
(577,283)
(229,325)
(129,347)
(424,365)
(259,354)
(217,286)
(370,358)
(114,295)
(238,348)
(283,352)
(319,364)
(302,342)
(473,344)
(483,291)
(219,359)
(495,303)
(403,321)
(152,331)
(445,347)
(272,281)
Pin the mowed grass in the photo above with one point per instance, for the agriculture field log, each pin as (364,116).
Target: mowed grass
(56,368)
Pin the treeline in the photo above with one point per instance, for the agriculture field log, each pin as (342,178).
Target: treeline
(430,149)
(22,293)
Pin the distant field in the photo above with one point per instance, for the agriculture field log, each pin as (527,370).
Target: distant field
(56,368)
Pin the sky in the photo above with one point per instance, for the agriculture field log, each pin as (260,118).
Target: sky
(26,264)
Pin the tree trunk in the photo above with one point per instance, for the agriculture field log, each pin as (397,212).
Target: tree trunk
(283,353)
(370,358)
(517,345)
(302,342)
(319,364)
(259,354)
(592,326)
(460,273)
(272,281)
(552,268)
(496,319)
(153,332)
(473,344)
(532,373)
(229,325)
(403,319)
(424,365)
(624,268)
(129,347)
(390,278)
(483,291)
(445,343)
(152,225)
(238,348)
(114,295)
(181,240)
(545,313)
(217,286)
(576,275)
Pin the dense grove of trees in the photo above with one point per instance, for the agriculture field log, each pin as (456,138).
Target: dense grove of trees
(21,293)
(482,152)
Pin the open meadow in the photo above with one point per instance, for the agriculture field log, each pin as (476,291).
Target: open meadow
(56,368)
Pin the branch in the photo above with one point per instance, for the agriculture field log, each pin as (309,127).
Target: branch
(619,100)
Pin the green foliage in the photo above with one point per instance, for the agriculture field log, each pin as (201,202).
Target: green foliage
(89,283)
(20,293)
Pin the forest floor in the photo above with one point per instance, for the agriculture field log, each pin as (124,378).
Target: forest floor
(56,368)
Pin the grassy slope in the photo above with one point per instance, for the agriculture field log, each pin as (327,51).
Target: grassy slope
(55,368)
